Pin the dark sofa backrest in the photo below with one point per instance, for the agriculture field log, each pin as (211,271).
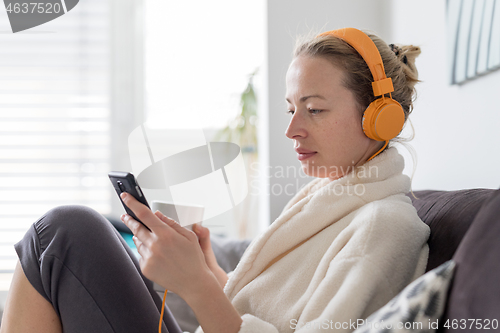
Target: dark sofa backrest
(449,215)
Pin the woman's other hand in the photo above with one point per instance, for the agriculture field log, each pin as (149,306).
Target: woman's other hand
(206,246)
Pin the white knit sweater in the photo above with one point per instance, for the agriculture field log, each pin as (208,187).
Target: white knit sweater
(367,244)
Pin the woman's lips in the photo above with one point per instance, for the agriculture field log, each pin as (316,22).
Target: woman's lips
(303,156)
(303,153)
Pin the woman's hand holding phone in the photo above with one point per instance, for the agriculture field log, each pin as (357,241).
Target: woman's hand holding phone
(206,247)
(171,255)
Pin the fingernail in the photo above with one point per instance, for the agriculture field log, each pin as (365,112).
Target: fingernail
(123,195)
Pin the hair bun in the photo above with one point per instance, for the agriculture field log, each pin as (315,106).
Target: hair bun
(408,55)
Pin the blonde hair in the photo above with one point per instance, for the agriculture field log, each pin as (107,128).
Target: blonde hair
(399,65)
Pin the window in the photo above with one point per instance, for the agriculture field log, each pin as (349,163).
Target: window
(474,34)
(198,57)
(54,120)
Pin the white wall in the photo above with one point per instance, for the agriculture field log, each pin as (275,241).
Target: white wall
(456,127)
(286,19)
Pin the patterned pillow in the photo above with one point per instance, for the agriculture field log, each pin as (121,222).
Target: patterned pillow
(415,309)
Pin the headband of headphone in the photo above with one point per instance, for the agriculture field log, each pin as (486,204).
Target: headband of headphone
(369,52)
(384,118)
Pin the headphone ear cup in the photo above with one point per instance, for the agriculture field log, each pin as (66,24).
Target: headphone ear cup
(383,119)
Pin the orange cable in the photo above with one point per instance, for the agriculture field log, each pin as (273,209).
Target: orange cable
(162,310)
(385,145)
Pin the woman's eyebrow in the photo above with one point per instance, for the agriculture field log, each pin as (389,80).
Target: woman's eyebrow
(304,98)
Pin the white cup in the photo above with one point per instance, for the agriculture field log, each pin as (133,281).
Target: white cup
(184,214)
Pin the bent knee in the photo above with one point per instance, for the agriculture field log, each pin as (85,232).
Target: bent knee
(72,218)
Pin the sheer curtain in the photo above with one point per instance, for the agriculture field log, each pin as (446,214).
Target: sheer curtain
(54,120)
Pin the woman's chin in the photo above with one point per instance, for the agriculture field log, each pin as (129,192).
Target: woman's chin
(313,172)
(321,172)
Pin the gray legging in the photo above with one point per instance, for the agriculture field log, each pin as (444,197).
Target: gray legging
(78,261)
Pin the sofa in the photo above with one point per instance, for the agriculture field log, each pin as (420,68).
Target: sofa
(465,227)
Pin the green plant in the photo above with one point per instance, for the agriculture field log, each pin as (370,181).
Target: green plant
(242,129)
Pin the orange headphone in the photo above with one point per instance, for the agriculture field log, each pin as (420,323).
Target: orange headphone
(384,118)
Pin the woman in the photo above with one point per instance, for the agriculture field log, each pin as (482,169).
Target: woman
(342,247)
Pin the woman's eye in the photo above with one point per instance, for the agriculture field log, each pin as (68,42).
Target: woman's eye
(290,112)
(314,111)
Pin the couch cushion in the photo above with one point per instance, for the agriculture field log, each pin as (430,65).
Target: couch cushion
(449,214)
(417,308)
(475,289)
(228,251)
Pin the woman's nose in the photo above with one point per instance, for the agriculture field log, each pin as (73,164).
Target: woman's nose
(296,127)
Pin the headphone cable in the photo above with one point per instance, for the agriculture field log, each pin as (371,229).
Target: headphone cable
(162,310)
(385,145)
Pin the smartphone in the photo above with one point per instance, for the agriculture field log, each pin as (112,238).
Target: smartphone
(126,182)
